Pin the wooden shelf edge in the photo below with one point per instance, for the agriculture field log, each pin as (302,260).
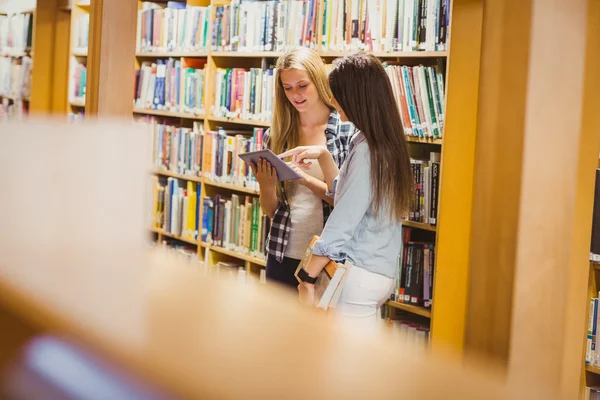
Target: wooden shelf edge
(208,182)
(171,114)
(177,237)
(415,139)
(230,186)
(235,254)
(263,124)
(419,225)
(592,369)
(77,103)
(184,177)
(417,310)
(183,54)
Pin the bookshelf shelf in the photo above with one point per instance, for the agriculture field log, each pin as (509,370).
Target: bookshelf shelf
(393,54)
(247,54)
(79,53)
(167,54)
(230,186)
(422,311)
(592,369)
(190,178)
(177,237)
(419,225)
(77,103)
(172,114)
(415,139)
(197,179)
(235,254)
(14,54)
(264,124)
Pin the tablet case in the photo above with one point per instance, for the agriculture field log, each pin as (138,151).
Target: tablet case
(284,171)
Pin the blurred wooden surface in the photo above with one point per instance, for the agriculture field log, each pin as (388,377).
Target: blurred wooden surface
(75,263)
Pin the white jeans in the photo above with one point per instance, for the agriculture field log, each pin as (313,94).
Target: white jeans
(362,295)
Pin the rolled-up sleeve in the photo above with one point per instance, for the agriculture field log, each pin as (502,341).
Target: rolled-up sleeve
(353,200)
(333,188)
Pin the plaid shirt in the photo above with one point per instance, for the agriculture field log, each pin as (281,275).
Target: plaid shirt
(338,135)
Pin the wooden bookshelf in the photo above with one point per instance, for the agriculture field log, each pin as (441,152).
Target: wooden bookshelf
(449,289)
(416,310)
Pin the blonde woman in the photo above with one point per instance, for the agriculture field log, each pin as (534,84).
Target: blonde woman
(304,116)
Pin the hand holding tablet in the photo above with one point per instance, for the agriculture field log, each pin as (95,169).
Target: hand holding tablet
(284,171)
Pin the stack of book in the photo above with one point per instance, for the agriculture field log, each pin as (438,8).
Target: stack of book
(416,261)
(335,25)
(15,33)
(426,175)
(171,85)
(235,223)
(420,95)
(172,27)
(245,94)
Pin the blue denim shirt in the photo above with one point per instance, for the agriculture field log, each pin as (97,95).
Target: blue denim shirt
(352,231)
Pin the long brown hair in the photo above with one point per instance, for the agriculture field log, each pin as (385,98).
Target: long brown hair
(285,128)
(363,90)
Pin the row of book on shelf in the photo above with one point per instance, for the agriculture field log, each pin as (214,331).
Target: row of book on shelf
(426,177)
(330,25)
(16,32)
(414,284)
(171,85)
(179,86)
(15,77)
(235,223)
(592,354)
(213,155)
(173,26)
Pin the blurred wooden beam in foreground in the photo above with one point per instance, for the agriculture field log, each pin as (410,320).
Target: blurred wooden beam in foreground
(76,265)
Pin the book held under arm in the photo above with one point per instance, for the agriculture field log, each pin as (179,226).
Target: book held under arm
(330,281)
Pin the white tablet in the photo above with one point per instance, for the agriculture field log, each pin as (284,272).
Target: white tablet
(284,171)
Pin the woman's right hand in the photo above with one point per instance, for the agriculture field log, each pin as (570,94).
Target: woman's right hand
(265,174)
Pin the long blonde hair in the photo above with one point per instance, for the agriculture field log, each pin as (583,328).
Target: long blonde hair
(285,127)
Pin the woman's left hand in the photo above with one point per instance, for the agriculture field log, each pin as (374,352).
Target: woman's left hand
(306,294)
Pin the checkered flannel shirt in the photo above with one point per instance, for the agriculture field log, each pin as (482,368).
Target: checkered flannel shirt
(338,135)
